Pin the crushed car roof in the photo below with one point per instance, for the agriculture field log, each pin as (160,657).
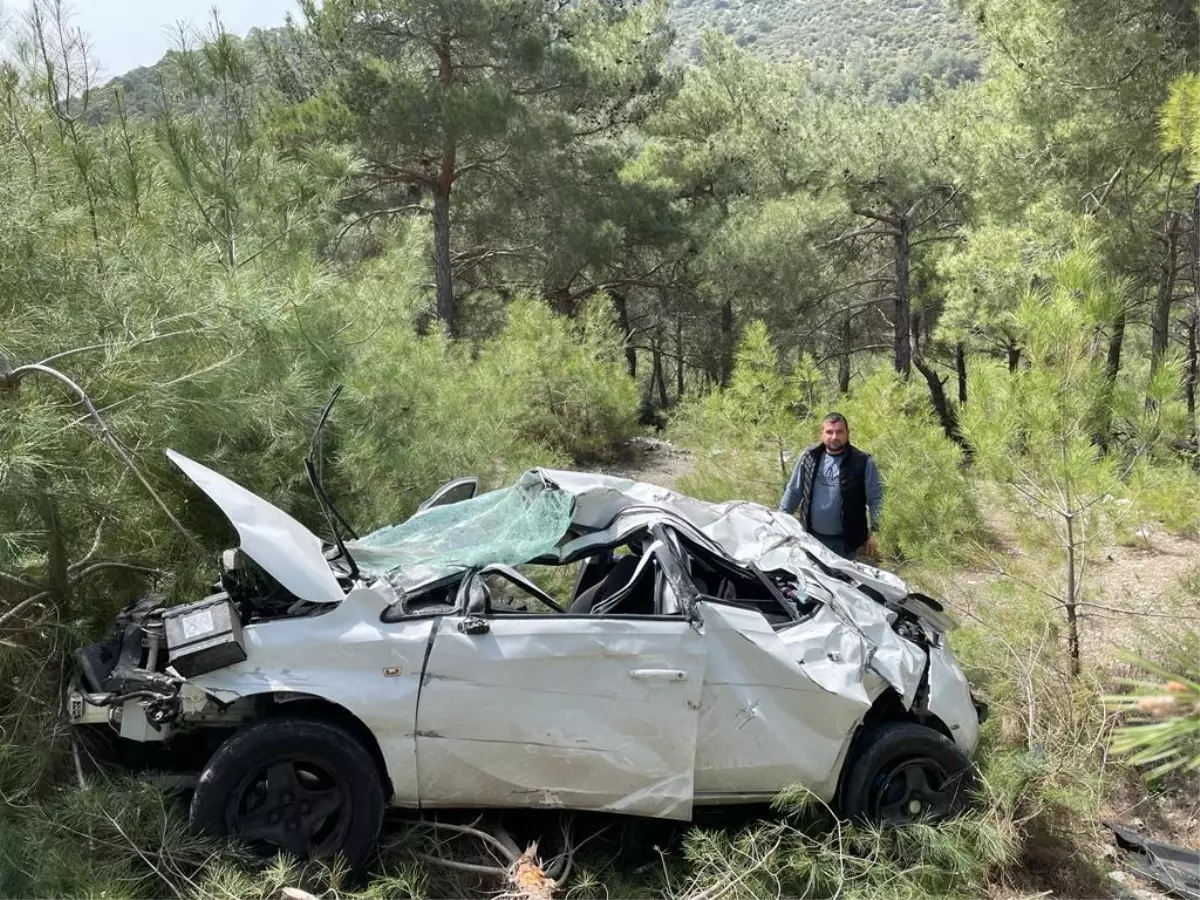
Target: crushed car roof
(553,515)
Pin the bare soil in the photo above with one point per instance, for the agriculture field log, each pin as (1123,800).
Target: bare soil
(651,460)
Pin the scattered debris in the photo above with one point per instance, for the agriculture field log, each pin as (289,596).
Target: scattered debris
(1173,869)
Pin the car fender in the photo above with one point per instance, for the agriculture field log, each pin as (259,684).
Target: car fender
(950,699)
(346,657)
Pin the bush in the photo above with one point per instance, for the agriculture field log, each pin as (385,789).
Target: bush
(420,411)
(1167,492)
(743,436)
(930,516)
(566,379)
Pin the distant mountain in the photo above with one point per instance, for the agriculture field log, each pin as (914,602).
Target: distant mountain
(142,88)
(883,45)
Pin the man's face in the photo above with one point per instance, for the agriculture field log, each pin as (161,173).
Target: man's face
(834,436)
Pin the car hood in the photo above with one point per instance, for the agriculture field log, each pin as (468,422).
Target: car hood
(286,550)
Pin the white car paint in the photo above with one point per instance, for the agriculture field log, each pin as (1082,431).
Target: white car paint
(764,722)
(636,714)
(563,711)
(273,539)
(346,656)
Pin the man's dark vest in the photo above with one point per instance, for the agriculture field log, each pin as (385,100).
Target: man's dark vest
(854,492)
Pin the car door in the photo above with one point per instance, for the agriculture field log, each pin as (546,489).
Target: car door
(765,722)
(551,709)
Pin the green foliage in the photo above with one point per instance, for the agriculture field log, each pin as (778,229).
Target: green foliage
(743,436)
(564,380)
(887,48)
(421,411)
(120,838)
(746,439)
(782,858)
(986,279)
(1162,718)
(1165,491)
(1179,124)
(930,512)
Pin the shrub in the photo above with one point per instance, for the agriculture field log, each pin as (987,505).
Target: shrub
(565,379)
(421,410)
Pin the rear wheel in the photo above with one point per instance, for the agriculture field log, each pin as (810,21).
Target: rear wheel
(903,772)
(303,786)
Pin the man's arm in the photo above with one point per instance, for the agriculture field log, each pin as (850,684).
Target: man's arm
(791,493)
(874,493)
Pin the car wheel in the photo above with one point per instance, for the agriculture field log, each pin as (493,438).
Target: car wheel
(903,772)
(304,786)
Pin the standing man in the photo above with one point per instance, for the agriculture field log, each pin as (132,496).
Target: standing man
(834,484)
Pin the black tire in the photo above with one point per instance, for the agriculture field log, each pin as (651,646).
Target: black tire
(304,786)
(903,772)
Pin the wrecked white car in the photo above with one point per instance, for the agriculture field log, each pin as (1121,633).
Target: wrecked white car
(706,654)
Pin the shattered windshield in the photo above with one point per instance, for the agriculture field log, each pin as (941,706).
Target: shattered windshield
(510,526)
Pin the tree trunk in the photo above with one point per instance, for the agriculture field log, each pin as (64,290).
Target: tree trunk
(1112,367)
(443,277)
(1189,384)
(1194,331)
(1014,358)
(1160,317)
(903,339)
(660,377)
(844,358)
(621,302)
(960,366)
(679,357)
(441,261)
(946,413)
(1116,342)
(230,240)
(1072,617)
(726,371)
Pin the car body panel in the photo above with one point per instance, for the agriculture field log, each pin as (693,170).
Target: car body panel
(764,722)
(570,711)
(950,699)
(286,550)
(451,492)
(348,657)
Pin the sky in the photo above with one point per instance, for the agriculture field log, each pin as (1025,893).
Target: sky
(126,34)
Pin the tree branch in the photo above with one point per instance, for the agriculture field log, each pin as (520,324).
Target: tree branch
(106,433)
(954,192)
(4,617)
(19,581)
(891,221)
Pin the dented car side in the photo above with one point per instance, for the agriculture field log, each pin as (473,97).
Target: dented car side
(709,653)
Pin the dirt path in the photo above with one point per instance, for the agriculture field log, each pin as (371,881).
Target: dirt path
(651,460)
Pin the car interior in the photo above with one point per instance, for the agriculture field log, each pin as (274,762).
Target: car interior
(625,580)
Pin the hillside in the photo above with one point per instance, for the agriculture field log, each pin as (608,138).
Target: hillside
(886,45)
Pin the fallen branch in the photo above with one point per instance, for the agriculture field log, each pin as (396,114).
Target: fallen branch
(74,580)
(525,876)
